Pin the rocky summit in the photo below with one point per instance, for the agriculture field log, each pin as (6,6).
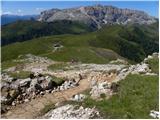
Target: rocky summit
(97,15)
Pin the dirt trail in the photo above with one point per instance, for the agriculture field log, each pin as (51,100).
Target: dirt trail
(32,108)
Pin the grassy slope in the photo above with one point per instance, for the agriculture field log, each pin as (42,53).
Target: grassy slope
(25,30)
(75,47)
(136,97)
(92,47)
(153,63)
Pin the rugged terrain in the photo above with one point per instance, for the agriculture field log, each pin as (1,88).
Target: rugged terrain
(20,95)
(87,62)
(98,15)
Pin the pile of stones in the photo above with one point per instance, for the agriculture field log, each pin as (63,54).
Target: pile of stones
(17,91)
(57,46)
(140,68)
(119,61)
(100,88)
(37,59)
(72,112)
(32,58)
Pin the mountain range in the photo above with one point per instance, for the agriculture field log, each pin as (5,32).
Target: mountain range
(98,15)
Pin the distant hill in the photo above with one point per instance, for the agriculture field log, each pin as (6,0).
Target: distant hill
(28,29)
(6,18)
(133,42)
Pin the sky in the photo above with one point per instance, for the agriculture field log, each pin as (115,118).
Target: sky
(35,7)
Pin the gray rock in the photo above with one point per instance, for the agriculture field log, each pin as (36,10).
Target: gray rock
(42,93)
(78,97)
(34,85)
(40,79)
(48,84)
(13,103)
(71,112)
(25,82)
(97,16)
(26,100)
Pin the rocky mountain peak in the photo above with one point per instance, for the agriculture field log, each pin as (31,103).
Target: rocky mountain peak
(98,15)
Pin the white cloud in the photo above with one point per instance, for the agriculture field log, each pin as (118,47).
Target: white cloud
(7,12)
(39,9)
(19,10)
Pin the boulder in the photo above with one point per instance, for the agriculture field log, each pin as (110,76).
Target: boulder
(34,86)
(141,68)
(3,99)
(78,97)
(154,114)
(114,87)
(26,100)
(20,97)
(71,112)
(14,93)
(13,103)
(40,79)
(14,86)
(3,109)
(48,84)
(25,82)
(150,57)
(42,93)
(4,86)
(32,76)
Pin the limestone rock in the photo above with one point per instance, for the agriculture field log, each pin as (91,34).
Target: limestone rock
(98,16)
(71,112)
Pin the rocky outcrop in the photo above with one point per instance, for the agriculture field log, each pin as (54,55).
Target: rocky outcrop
(23,90)
(70,112)
(97,15)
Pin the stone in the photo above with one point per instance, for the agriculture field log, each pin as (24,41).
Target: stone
(53,91)
(26,100)
(20,97)
(3,109)
(61,88)
(141,68)
(93,83)
(13,103)
(14,93)
(32,76)
(154,114)
(150,57)
(25,82)
(71,112)
(15,85)
(3,99)
(78,97)
(48,84)
(42,93)
(40,79)
(114,87)
(34,86)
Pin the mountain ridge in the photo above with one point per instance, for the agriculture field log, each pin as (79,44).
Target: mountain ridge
(98,15)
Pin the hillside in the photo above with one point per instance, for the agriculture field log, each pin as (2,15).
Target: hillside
(133,42)
(28,29)
(7,18)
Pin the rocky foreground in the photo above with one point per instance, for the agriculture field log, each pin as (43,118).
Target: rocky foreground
(41,86)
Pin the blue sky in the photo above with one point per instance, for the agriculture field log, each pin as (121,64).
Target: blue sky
(35,7)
